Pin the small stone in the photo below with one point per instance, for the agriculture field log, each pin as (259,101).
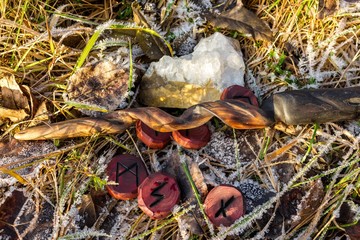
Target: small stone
(102,85)
(215,64)
(224,205)
(158,194)
(194,138)
(128,172)
(151,137)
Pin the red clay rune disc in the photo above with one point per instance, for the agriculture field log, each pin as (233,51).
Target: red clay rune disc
(128,171)
(150,137)
(158,194)
(224,205)
(194,138)
(241,93)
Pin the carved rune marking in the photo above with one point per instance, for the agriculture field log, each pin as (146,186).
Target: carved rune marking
(127,169)
(155,193)
(224,206)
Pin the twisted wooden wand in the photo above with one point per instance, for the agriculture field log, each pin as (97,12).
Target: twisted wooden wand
(291,107)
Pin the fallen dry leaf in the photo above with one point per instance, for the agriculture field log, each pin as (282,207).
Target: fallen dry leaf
(21,157)
(87,210)
(327,7)
(9,211)
(12,95)
(310,202)
(41,114)
(14,104)
(354,232)
(12,114)
(32,101)
(242,20)
(153,46)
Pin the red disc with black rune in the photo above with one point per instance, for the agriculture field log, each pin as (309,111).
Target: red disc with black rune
(194,138)
(241,93)
(150,137)
(128,171)
(224,205)
(158,194)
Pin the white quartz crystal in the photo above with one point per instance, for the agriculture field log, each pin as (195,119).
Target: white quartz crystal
(215,64)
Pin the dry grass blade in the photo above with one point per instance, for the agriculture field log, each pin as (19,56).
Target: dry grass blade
(280,151)
(14,175)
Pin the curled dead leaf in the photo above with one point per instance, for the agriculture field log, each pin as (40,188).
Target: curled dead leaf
(14,115)
(310,202)
(9,211)
(87,210)
(14,104)
(152,45)
(242,20)
(41,114)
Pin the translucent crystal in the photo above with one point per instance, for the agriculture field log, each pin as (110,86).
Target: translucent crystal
(180,82)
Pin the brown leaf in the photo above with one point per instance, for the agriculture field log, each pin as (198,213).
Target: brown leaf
(9,210)
(347,217)
(353,232)
(12,95)
(86,87)
(153,46)
(21,157)
(87,210)
(198,178)
(327,7)
(32,101)
(41,114)
(139,17)
(14,104)
(241,20)
(72,128)
(12,147)
(310,202)
(12,114)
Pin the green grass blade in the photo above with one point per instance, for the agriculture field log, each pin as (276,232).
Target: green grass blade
(131,67)
(197,195)
(85,106)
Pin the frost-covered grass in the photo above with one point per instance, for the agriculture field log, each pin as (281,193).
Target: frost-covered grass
(308,171)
